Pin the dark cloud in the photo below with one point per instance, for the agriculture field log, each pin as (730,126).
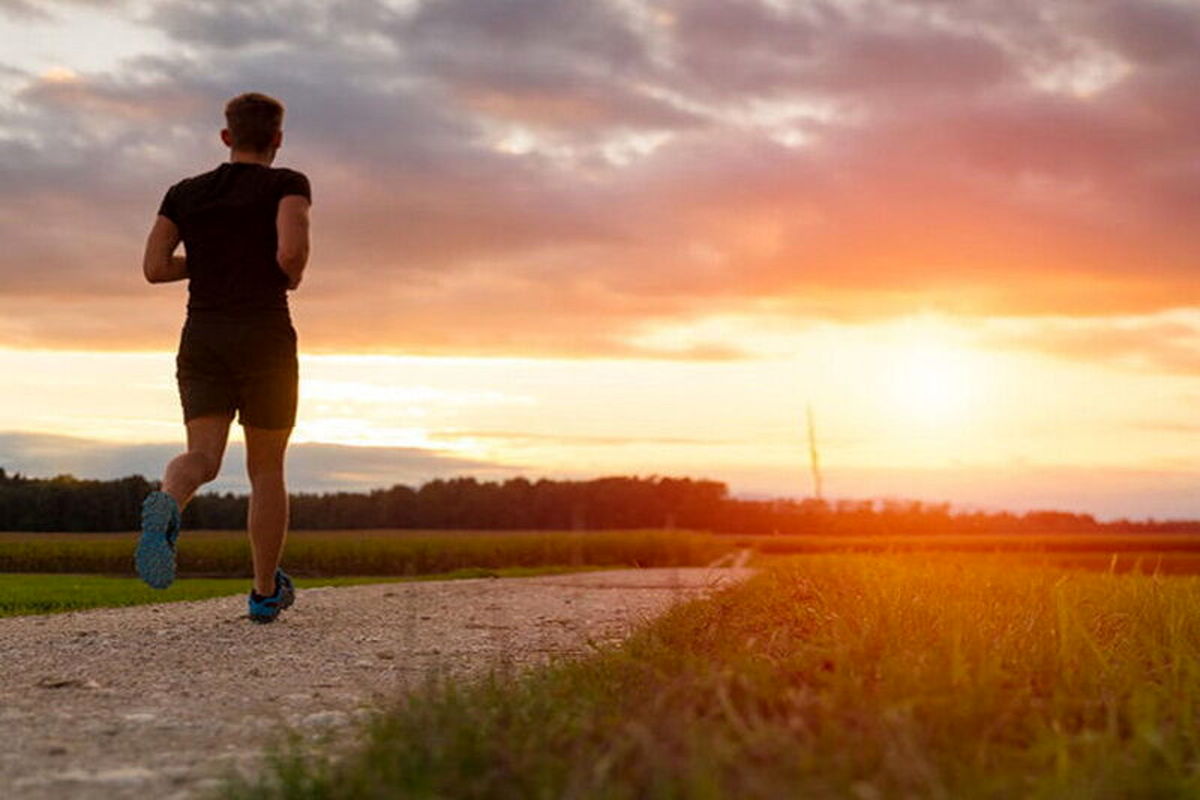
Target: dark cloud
(740,47)
(570,64)
(45,10)
(311,467)
(234,25)
(820,50)
(922,62)
(538,176)
(1151,31)
(575,37)
(23,10)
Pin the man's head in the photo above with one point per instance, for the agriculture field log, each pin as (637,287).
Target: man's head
(255,124)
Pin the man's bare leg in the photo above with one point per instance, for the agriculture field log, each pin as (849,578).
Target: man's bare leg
(268,521)
(154,556)
(187,472)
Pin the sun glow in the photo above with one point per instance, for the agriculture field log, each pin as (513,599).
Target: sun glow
(932,384)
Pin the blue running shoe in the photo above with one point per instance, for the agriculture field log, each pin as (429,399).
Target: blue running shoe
(155,554)
(266,609)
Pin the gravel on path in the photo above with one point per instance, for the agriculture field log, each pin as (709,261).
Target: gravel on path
(162,701)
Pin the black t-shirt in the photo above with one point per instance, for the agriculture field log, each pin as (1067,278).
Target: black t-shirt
(226,218)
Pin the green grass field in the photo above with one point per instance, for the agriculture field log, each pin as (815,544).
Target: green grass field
(851,675)
(24,593)
(372,552)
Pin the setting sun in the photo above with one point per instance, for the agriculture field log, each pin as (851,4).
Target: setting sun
(932,384)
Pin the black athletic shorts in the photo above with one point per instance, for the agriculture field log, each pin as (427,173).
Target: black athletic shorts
(238,363)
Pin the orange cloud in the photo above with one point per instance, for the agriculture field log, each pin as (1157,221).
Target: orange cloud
(1160,346)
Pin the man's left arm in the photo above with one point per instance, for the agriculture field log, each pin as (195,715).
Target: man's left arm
(160,264)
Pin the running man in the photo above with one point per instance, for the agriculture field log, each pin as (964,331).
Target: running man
(244,227)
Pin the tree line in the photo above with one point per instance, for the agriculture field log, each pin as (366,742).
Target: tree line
(66,503)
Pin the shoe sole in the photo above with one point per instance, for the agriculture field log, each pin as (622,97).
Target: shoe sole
(287,596)
(154,557)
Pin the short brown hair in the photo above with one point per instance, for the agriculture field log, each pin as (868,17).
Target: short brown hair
(253,120)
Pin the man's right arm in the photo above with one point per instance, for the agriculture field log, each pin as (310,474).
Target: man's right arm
(291,225)
(159,262)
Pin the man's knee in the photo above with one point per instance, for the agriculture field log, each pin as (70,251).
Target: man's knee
(265,474)
(210,465)
(265,454)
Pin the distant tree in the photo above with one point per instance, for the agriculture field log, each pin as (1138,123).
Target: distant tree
(66,503)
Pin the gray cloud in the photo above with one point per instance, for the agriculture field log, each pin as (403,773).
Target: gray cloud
(311,467)
(45,10)
(1151,31)
(22,9)
(235,25)
(572,64)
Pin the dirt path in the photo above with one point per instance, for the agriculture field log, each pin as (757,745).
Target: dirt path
(159,701)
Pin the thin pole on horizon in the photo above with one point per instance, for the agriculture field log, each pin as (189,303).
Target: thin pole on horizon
(813,456)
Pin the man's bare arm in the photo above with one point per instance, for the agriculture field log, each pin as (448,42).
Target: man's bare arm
(291,224)
(160,264)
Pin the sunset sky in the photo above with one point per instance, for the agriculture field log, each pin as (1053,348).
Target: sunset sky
(574,238)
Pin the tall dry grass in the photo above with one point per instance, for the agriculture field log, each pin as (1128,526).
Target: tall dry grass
(847,676)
